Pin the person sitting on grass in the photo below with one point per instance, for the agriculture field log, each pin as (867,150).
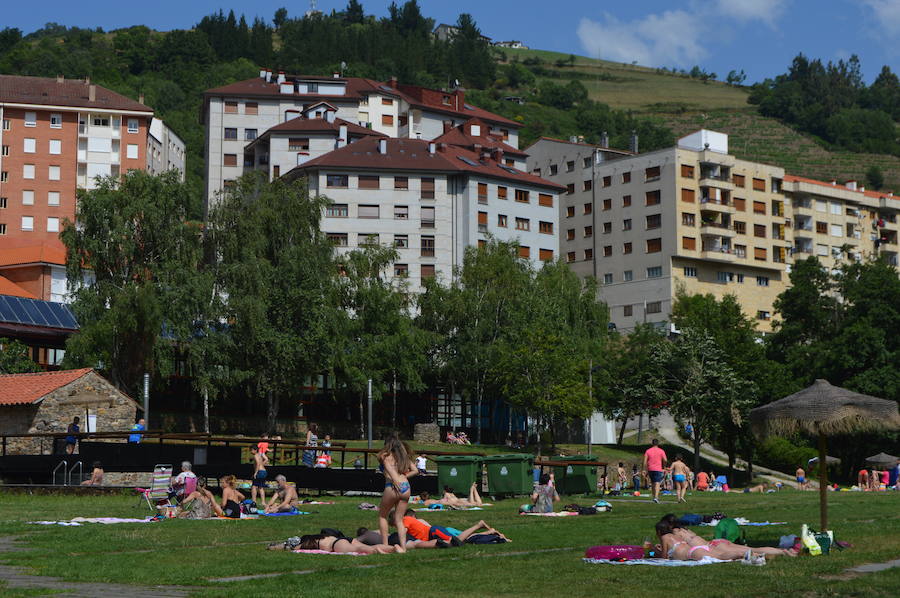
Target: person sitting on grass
(231,498)
(544,495)
(285,498)
(719,548)
(96,478)
(199,504)
(702,482)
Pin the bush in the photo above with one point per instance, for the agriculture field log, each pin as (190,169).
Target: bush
(783,455)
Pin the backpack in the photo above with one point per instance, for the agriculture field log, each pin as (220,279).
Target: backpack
(690,519)
(729,529)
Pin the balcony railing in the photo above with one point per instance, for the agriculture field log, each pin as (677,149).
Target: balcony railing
(720,202)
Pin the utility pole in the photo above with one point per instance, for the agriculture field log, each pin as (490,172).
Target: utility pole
(369,431)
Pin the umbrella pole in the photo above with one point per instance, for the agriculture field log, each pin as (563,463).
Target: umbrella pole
(823,484)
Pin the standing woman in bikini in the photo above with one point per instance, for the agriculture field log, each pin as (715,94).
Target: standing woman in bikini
(397,461)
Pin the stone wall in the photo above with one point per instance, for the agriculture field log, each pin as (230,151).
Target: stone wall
(427,433)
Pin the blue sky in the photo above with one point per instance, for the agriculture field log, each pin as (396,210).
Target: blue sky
(759,36)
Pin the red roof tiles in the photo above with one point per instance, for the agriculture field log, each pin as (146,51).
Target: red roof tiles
(310,125)
(25,389)
(15,89)
(33,254)
(459,136)
(7,287)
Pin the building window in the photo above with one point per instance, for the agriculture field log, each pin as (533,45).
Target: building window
(822,228)
(100,121)
(228,184)
(401,241)
(55,146)
(28,198)
(52,225)
(570,257)
(724,277)
(231,107)
(401,212)
(654,221)
(759,254)
(607,228)
(588,254)
(4,176)
(740,204)
(626,177)
(759,184)
(740,251)
(587,185)
(607,181)
(626,201)
(251,108)
(759,207)
(521,195)
(608,278)
(337,239)
(738,180)
(53,173)
(687,171)
(229,160)
(401,182)
(586,162)
(626,248)
(688,219)
(231,133)
(690,272)
(570,211)
(249,134)
(249,160)
(740,227)
(4,151)
(276,171)
(387,120)
(545,227)
(522,224)
(366,181)
(688,195)
(653,198)
(837,230)
(27,223)
(570,234)
(651,174)
(654,307)
(427,188)
(607,251)
(524,251)
(501,220)
(132,125)
(387,102)
(689,243)
(427,246)
(364,239)
(56,121)
(298,144)
(336,180)
(31,121)
(2,229)
(502,193)
(570,188)
(368,211)
(588,231)
(28,171)
(607,204)
(29,145)
(759,230)
(626,224)
(762,281)
(3,203)
(546,255)
(628,276)
(482,192)
(544,199)
(654,245)
(401,270)
(654,272)
(553,169)
(131,151)
(627,310)
(6,124)
(426,216)
(337,210)
(570,166)
(763,315)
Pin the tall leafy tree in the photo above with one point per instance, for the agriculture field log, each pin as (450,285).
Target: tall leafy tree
(471,55)
(14,358)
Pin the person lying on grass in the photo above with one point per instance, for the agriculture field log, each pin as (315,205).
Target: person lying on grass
(199,504)
(285,499)
(451,500)
(331,544)
(420,529)
(697,547)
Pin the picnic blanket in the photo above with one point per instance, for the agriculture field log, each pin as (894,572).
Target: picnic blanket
(744,521)
(317,502)
(556,514)
(105,520)
(288,514)
(440,507)
(707,560)
(301,551)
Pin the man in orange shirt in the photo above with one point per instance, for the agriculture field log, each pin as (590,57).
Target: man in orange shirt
(702,481)
(655,461)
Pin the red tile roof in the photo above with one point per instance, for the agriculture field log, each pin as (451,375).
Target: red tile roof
(7,287)
(25,389)
(33,254)
(310,125)
(15,89)
(413,155)
(459,136)
(433,99)
(790,178)
(593,145)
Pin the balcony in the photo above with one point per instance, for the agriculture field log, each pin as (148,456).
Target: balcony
(718,253)
(718,181)
(720,206)
(716,228)
(803,208)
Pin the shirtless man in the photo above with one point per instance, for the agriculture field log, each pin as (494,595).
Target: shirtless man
(680,473)
(285,498)
(802,484)
(622,477)
(260,460)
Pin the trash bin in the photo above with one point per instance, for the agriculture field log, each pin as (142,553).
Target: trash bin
(509,474)
(458,472)
(575,479)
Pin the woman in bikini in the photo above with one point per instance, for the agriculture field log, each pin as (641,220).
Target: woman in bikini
(231,498)
(719,548)
(333,544)
(397,461)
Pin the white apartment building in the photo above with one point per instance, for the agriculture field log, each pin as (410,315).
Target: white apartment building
(430,201)
(165,149)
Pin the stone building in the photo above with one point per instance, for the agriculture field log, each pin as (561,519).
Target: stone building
(47,402)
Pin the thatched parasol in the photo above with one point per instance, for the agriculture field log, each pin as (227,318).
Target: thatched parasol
(824,410)
(882,460)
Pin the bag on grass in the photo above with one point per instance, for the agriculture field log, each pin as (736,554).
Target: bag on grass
(729,529)
(690,519)
(248,507)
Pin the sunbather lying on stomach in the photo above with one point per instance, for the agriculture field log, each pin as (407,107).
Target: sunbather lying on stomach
(719,548)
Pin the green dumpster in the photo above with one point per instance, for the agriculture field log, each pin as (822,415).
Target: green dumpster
(575,479)
(458,472)
(510,474)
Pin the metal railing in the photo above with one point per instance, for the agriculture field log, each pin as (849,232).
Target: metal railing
(80,467)
(53,473)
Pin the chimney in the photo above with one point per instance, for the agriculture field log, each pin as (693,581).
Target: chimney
(268,75)
(87,80)
(448,124)
(850,185)
(336,75)
(442,147)
(497,155)
(862,189)
(604,139)
(262,73)
(573,138)
(92,93)
(431,147)
(833,182)
(476,147)
(329,116)
(140,98)
(60,79)
(382,146)
(393,82)
(342,136)
(281,77)
(634,142)
(460,94)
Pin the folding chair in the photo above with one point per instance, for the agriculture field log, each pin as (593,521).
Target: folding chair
(159,489)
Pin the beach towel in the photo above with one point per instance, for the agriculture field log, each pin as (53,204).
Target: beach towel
(300,551)
(558,514)
(105,520)
(317,502)
(744,521)
(657,562)
(291,513)
(440,507)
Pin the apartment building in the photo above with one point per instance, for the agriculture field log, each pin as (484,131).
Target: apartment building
(689,217)
(430,201)
(165,149)
(235,115)
(57,135)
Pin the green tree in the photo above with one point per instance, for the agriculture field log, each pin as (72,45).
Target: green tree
(874,177)
(472,62)
(354,12)
(14,358)
(280,17)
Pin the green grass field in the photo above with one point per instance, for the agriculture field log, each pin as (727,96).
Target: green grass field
(543,559)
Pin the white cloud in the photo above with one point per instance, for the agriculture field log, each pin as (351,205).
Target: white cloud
(886,13)
(767,11)
(666,39)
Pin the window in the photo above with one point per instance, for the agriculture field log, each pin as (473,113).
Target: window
(689,243)
(626,248)
(654,307)
(607,181)
(367,181)
(30,121)
(553,169)
(363,239)
(626,201)
(626,177)
(570,234)
(336,180)
(337,239)
(228,184)
(52,225)
(249,134)
(822,228)
(276,171)
(501,220)
(586,162)
(835,208)
(251,108)
(587,185)
(6,124)
(654,245)
(401,212)
(426,246)
(652,198)
(626,224)
(28,171)
(740,251)
(654,272)
(759,184)
(607,228)
(544,199)
(231,133)
(759,230)
(759,254)
(521,196)
(2,229)
(482,192)
(4,151)
(740,227)
(401,182)
(427,271)
(570,211)
(4,176)
(688,195)
(724,277)
(588,208)
(27,222)
(588,254)
(545,255)
(821,250)
(56,121)
(427,188)
(759,207)
(738,180)
(337,210)
(483,222)
(291,114)
(762,281)
(740,278)
(570,166)
(627,310)
(821,205)
(29,145)
(55,146)
(229,160)
(545,227)
(426,215)
(687,171)
(502,193)
(131,152)
(401,270)
(132,125)
(588,231)
(654,221)
(607,204)
(231,107)
(607,250)
(740,204)
(53,173)
(387,102)
(763,315)
(688,219)
(27,198)
(387,120)
(837,230)
(521,223)
(3,203)
(368,211)
(524,251)
(570,257)
(298,144)
(608,278)
(651,174)
(628,276)
(690,272)
(570,188)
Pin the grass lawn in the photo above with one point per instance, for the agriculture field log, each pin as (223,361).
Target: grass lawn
(544,558)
